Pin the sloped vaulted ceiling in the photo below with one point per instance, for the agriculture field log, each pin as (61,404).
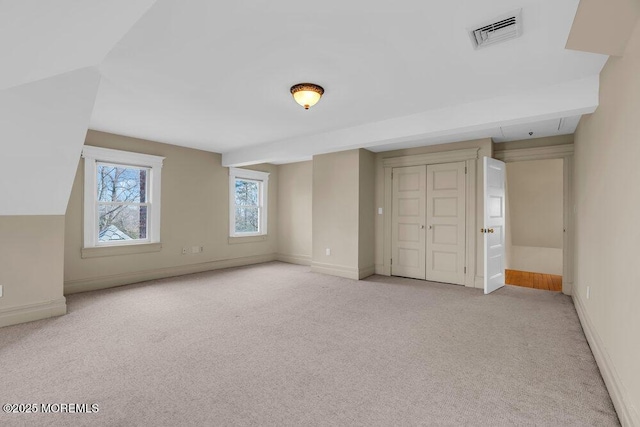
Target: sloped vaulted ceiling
(48,83)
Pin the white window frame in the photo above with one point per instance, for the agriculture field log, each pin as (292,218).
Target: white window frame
(263,178)
(94,155)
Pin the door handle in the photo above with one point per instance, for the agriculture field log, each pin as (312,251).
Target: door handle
(422,227)
(486,230)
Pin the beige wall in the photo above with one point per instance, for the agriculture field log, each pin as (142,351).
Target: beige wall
(607,200)
(195,212)
(485,146)
(335,210)
(366,237)
(31,267)
(295,185)
(342,200)
(535,214)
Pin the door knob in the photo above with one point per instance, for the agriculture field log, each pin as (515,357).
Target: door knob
(422,227)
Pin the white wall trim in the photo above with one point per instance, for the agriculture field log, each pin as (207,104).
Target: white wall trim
(379,269)
(110,281)
(31,312)
(478,282)
(335,270)
(470,157)
(103,251)
(535,153)
(431,158)
(365,272)
(91,156)
(294,259)
(564,152)
(124,157)
(627,413)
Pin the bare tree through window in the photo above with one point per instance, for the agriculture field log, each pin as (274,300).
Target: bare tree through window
(122,202)
(247,201)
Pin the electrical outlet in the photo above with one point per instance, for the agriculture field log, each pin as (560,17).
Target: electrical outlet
(197,249)
(184,251)
(1,291)
(379,211)
(588,292)
(327,251)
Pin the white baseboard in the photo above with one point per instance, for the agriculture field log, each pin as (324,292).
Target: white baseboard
(103,282)
(31,312)
(567,288)
(627,413)
(294,259)
(335,270)
(478,282)
(342,271)
(366,272)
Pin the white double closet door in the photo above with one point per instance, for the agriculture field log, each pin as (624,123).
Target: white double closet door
(428,222)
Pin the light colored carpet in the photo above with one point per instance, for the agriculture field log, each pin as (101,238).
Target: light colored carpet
(274,344)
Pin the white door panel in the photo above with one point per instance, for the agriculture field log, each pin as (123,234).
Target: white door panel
(408,234)
(446,223)
(494,222)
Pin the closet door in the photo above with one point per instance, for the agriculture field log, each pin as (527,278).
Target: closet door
(408,222)
(446,214)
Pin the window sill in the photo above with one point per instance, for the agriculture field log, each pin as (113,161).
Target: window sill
(247,239)
(104,251)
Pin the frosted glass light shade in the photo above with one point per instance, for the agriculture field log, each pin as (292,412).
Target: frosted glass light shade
(307,94)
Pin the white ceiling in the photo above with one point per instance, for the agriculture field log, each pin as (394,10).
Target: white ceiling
(216,75)
(48,85)
(40,39)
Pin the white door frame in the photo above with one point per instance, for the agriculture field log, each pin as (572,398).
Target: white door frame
(564,152)
(470,157)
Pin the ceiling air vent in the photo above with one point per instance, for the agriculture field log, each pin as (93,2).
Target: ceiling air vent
(500,29)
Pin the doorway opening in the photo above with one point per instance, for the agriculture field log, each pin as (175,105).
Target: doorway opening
(534,244)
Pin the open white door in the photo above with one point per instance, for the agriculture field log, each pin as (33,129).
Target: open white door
(494,218)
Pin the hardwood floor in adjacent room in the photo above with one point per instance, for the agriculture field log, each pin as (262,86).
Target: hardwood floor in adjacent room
(527,279)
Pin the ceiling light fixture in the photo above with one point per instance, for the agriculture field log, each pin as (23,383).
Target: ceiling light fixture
(307,94)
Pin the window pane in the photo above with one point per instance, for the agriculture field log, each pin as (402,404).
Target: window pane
(122,184)
(122,222)
(247,220)
(247,192)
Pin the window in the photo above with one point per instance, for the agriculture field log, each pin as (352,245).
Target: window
(121,197)
(247,202)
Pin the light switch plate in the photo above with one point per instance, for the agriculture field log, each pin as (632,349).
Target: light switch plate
(1,291)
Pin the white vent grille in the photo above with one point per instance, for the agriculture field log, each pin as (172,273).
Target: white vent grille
(500,29)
